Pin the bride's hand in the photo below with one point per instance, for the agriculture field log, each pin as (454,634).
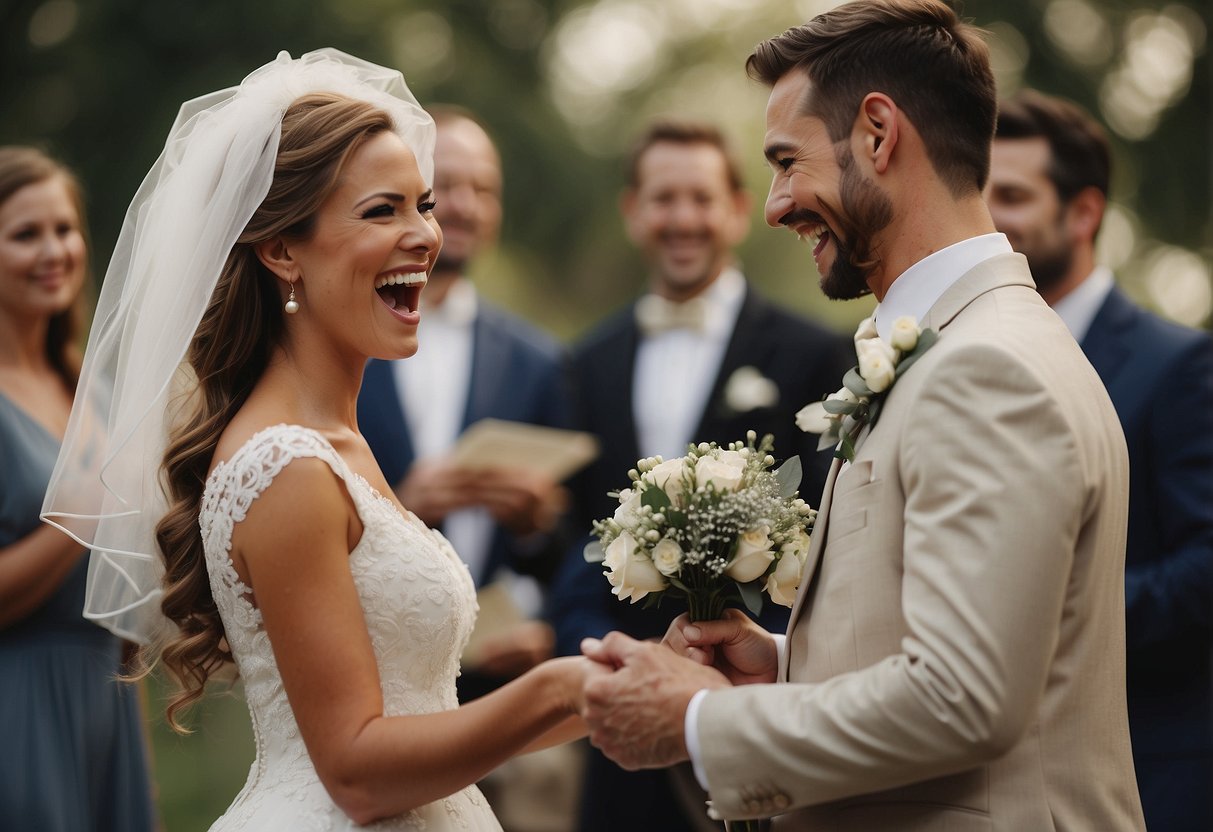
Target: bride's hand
(571,673)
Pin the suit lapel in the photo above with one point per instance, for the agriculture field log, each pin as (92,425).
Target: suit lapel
(995,273)
(490,368)
(747,345)
(820,529)
(1104,343)
(380,413)
(615,395)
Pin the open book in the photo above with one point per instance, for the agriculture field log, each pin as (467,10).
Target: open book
(497,443)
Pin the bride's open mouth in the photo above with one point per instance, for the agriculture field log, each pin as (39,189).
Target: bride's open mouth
(400,291)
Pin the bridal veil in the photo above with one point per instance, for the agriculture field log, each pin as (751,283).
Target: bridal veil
(106,490)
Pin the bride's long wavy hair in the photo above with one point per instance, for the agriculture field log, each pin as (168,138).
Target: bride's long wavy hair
(240,329)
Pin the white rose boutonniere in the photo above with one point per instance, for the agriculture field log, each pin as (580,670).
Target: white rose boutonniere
(841,416)
(748,389)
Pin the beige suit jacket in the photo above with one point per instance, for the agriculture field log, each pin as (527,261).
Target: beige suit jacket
(955,658)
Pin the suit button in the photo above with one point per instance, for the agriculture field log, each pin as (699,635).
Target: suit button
(782,801)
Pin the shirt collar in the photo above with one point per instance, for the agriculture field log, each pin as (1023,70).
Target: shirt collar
(917,289)
(1078,309)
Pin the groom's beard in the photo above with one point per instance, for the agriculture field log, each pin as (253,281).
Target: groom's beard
(864,210)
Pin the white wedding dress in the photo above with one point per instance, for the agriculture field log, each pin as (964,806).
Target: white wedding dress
(419,603)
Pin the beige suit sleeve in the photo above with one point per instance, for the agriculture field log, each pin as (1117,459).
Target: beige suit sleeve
(989,471)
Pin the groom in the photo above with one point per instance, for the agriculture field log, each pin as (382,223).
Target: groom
(955,658)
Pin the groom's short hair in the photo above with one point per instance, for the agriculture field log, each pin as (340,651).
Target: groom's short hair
(933,65)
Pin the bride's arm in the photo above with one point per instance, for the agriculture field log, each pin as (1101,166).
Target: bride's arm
(295,544)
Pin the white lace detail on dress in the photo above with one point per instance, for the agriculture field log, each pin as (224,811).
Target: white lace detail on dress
(419,602)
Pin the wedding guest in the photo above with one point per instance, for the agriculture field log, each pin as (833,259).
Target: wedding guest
(284,238)
(479,361)
(701,357)
(1048,189)
(955,657)
(74,745)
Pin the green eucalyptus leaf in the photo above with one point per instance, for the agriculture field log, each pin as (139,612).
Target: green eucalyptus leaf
(675,519)
(837,406)
(788,476)
(655,498)
(854,382)
(751,595)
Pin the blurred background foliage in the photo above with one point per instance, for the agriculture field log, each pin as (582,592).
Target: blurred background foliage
(564,85)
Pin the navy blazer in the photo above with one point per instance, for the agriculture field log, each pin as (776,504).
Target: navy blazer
(1160,378)
(806,362)
(518,373)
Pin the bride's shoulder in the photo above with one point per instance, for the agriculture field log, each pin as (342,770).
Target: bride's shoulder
(260,452)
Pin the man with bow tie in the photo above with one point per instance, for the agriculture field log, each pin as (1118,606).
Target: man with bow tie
(701,357)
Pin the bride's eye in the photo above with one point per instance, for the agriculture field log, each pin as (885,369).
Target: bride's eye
(385,209)
(427,207)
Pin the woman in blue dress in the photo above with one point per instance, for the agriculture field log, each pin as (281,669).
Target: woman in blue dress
(75,754)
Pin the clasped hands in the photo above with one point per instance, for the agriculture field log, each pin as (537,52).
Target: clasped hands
(635,693)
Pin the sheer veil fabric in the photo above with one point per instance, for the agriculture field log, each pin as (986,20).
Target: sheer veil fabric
(218,161)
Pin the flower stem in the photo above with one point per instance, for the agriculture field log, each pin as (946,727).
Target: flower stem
(706,606)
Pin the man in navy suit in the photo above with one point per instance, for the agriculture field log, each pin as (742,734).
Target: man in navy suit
(1048,188)
(475,361)
(701,357)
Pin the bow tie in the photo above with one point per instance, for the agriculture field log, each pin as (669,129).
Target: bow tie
(655,315)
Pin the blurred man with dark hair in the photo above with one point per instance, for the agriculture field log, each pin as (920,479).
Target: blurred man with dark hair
(702,357)
(1048,188)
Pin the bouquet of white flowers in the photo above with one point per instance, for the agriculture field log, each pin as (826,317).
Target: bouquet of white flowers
(716,525)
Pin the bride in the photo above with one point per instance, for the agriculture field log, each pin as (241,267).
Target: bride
(214,465)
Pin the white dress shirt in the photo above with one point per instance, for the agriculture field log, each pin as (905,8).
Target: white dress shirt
(1078,309)
(433,387)
(917,289)
(913,293)
(676,369)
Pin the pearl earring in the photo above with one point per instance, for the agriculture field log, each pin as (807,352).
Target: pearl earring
(292,305)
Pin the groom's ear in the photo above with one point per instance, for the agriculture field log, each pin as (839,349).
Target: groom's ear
(876,129)
(275,255)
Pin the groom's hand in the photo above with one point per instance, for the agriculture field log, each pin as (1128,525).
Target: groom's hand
(740,649)
(636,714)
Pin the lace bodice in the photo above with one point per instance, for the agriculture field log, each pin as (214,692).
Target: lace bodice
(419,602)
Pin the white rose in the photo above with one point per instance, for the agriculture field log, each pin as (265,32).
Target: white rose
(866,330)
(876,364)
(783,582)
(628,513)
(904,335)
(725,474)
(813,418)
(753,556)
(632,574)
(668,477)
(667,557)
